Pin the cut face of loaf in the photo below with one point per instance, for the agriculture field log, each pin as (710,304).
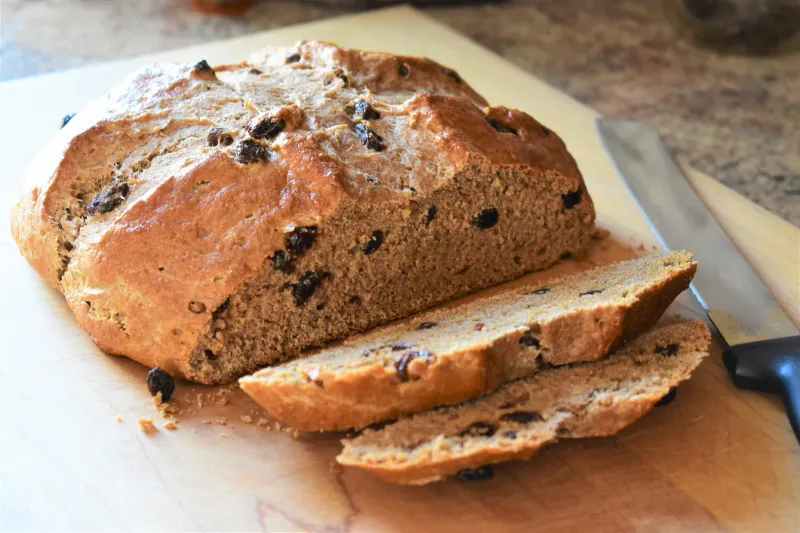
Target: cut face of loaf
(211,221)
(464,350)
(582,400)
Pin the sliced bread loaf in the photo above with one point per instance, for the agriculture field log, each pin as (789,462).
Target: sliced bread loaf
(459,352)
(581,400)
(210,221)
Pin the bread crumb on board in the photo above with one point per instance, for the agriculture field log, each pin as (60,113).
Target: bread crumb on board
(223,435)
(147,427)
(194,403)
(118,419)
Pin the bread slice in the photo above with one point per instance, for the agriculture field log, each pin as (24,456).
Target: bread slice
(459,352)
(581,400)
(211,221)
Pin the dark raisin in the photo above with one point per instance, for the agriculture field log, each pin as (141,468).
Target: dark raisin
(400,346)
(221,309)
(668,351)
(339,73)
(109,198)
(402,70)
(293,58)
(372,179)
(482,473)
(545,130)
(479,429)
(517,259)
(355,300)
(251,151)
(479,326)
(197,307)
(68,247)
(301,239)
(522,417)
(66,118)
(160,381)
(255,71)
(529,340)
(267,128)
(427,325)
(365,112)
(374,242)
(499,126)
(305,287)
(211,356)
(402,361)
(543,290)
(510,434)
(571,199)
(450,73)
(202,67)
(369,138)
(588,293)
(667,398)
(486,218)
(213,136)
(282,262)
(430,215)
(225,139)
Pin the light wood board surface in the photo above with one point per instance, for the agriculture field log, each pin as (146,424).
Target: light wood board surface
(715,459)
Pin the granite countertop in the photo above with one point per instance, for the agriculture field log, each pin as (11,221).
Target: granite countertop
(735,118)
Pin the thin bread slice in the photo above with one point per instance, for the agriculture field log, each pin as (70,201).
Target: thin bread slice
(582,400)
(459,352)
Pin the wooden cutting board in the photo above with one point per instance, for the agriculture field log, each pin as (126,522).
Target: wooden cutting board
(714,459)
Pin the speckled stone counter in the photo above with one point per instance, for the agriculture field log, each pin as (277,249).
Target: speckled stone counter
(735,118)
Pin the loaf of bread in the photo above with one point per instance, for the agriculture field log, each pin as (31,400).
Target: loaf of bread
(581,400)
(211,221)
(462,351)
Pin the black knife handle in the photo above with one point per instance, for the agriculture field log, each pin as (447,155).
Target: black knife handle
(771,365)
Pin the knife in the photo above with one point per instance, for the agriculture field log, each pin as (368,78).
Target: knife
(763,344)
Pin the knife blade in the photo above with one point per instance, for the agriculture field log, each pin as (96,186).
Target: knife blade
(763,350)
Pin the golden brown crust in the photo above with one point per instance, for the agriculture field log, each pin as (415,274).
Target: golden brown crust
(145,277)
(340,399)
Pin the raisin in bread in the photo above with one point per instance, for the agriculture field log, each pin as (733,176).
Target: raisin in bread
(214,220)
(462,351)
(581,400)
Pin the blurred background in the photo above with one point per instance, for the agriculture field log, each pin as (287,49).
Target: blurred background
(719,78)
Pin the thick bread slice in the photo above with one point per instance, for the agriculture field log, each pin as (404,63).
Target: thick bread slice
(460,352)
(211,221)
(581,400)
